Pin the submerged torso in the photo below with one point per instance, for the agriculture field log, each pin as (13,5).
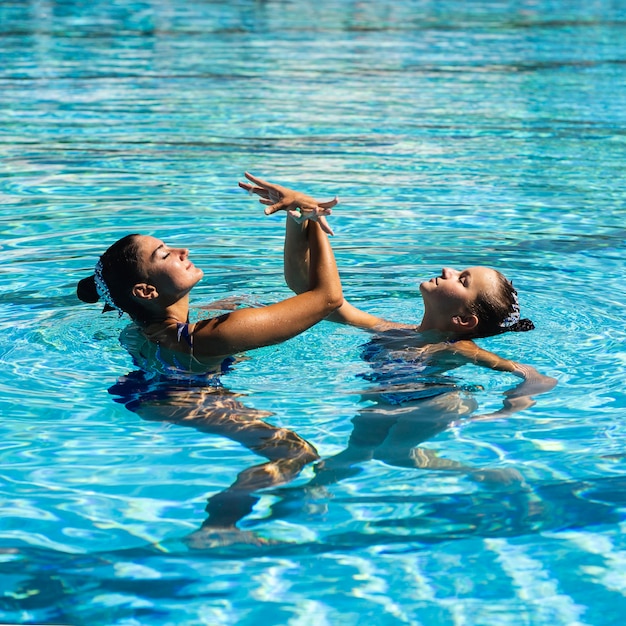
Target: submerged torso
(170,352)
(406,367)
(168,384)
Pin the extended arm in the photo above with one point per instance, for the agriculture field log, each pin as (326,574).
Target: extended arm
(533,383)
(296,261)
(246,329)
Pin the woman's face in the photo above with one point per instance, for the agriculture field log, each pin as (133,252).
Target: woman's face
(453,292)
(168,269)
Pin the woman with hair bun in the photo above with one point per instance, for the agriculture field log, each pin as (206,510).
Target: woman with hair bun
(458,305)
(150,281)
(180,361)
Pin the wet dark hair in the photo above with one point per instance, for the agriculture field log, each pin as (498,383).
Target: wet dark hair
(121,272)
(498,311)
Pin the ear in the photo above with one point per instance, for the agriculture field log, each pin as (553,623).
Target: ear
(464,323)
(143,291)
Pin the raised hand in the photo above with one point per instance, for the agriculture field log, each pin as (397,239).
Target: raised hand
(298,205)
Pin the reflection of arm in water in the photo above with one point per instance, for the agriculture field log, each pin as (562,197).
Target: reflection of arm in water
(458,307)
(151,281)
(394,433)
(287,454)
(516,399)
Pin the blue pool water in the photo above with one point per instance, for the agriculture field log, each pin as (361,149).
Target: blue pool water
(455,134)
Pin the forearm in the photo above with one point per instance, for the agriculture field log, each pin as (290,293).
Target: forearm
(297,260)
(246,329)
(521,396)
(309,260)
(296,255)
(533,382)
(323,273)
(348,314)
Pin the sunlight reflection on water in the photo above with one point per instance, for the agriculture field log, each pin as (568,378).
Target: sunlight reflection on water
(454,134)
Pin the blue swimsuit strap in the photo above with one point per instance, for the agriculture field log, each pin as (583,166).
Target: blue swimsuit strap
(183,331)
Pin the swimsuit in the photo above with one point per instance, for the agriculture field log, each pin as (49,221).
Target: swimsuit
(157,377)
(404,375)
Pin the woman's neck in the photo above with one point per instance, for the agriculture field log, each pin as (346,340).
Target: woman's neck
(434,332)
(177,312)
(430,323)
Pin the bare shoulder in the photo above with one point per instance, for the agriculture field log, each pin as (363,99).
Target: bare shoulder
(466,349)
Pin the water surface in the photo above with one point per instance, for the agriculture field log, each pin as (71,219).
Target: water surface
(455,134)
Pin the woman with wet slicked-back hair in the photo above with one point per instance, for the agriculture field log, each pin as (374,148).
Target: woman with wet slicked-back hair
(412,398)
(180,362)
(459,307)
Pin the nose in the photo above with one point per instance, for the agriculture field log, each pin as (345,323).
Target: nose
(447,272)
(184,253)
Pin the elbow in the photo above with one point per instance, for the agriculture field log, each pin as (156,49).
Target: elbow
(549,382)
(328,297)
(334,301)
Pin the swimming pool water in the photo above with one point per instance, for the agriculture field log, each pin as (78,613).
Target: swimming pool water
(455,134)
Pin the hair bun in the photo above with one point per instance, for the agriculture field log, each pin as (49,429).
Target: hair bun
(521,326)
(86,290)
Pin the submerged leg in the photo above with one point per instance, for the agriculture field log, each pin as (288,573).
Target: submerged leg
(287,452)
(219,412)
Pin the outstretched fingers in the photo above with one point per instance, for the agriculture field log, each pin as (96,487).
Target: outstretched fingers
(274,207)
(259,181)
(329,204)
(273,196)
(319,217)
(253,189)
(325,226)
(259,191)
(298,205)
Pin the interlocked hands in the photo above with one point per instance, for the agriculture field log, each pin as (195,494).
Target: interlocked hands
(299,206)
